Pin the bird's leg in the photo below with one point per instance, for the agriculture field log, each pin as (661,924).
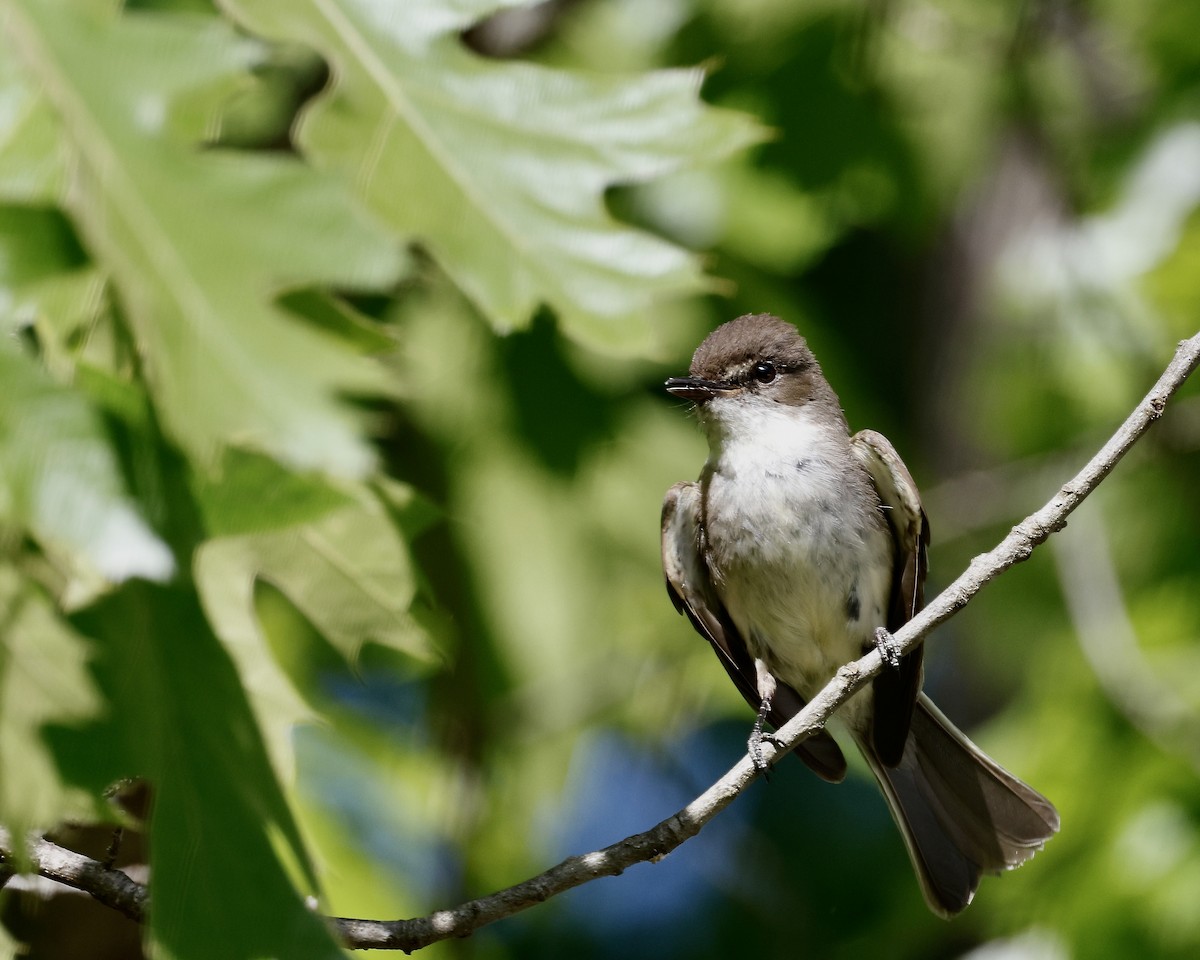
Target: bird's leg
(766,691)
(888,648)
(114,847)
(756,736)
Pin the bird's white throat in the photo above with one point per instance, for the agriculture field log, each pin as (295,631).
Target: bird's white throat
(794,537)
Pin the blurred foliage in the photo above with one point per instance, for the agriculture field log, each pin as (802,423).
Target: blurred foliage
(331,449)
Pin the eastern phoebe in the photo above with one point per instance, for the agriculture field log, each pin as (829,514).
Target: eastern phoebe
(797,551)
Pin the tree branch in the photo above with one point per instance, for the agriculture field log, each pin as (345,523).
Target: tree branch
(108,885)
(117,890)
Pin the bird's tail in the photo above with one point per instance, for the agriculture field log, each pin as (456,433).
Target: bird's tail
(960,812)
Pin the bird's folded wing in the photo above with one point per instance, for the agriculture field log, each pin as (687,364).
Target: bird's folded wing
(691,590)
(896,691)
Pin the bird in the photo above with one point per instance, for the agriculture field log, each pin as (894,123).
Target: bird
(801,547)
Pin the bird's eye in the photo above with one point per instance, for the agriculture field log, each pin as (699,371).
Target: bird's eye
(763,372)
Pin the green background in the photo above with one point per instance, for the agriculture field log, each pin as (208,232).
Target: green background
(332,444)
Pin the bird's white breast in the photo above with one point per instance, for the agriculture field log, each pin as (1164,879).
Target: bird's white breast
(795,540)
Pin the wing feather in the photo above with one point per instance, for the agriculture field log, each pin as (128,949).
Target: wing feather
(692,593)
(896,692)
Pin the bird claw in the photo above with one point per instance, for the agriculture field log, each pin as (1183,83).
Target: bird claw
(758,737)
(888,648)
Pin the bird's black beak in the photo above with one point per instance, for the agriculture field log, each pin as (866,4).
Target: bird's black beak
(693,388)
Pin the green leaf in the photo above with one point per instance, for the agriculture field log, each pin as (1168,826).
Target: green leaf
(43,681)
(251,493)
(59,479)
(225,852)
(348,572)
(200,243)
(32,167)
(45,281)
(500,169)
(340,319)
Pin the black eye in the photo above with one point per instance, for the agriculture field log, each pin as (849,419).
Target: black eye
(763,372)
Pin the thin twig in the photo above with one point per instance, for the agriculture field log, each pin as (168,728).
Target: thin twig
(107,885)
(117,890)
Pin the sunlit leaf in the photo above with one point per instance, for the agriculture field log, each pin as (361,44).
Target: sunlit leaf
(59,478)
(31,156)
(500,169)
(198,244)
(250,493)
(347,571)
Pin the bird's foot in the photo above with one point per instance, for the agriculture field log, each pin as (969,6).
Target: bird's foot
(758,737)
(888,648)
